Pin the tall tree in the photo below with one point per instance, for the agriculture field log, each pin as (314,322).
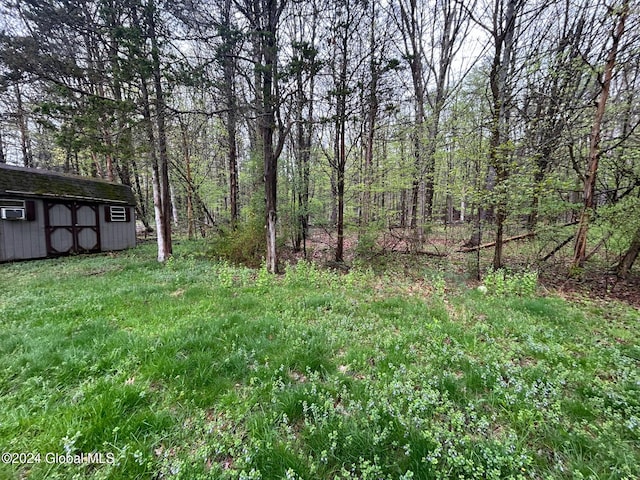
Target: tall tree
(3,156)
(503,35)
(580,250)
(499,19)
(345,18)
(162,200)
(228,52)
(377,96)
(443,26)
(448,29)
(371,108)
(264,18)
(554,97)
(413,25)
(304,69)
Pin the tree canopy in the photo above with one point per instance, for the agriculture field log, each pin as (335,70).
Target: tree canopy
(264,118)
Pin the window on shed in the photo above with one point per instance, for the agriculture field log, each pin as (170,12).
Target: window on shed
(28,207)
(117,214)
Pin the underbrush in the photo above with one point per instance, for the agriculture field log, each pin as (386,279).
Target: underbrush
(199,369)
(244,245)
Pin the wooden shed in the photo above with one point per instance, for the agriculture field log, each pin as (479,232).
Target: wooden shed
(48,214)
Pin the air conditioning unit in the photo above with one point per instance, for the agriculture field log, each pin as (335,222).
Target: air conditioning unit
(11,213)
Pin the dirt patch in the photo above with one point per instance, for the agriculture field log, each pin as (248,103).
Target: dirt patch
(594,284)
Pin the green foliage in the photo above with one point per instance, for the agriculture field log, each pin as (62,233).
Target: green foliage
(245,245)
(307,274)
(618,222)
(367,245)
(197,369)
(502,282)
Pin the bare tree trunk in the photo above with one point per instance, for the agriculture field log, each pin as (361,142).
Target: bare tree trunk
(229,70)
(580,249)
(417,186)
(155,174)
(270,160)
(25,139)
(305,173)
(141,206)
(189,181)
(234,186)
(333,220)
(305,73)
(303,154)
(341,161)
(449,216)
(3,158)
(270,186)
(368,172)
(499,154)
(163,157)
(411,24)
(97,167)
(340,150)
(265,17)
(157,146)
(175,216)
(452,21)
(624,267)
(340,226)
(190,219)
(371,118)
(299,177)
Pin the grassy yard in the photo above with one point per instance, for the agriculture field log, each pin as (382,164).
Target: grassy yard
(197,369)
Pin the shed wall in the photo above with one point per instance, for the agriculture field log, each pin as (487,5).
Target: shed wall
(117,235)
(20,240)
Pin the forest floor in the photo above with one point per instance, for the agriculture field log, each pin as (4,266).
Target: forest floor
(441,246)
(602,285)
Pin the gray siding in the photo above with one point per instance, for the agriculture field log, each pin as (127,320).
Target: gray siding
(117,235)
(21,239)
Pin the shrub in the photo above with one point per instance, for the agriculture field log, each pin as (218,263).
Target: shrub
(501,282)
(367,246)
(245,245)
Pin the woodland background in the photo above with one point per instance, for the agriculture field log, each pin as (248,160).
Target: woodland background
(263,121)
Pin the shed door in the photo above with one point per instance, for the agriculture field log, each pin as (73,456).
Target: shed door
(71,227)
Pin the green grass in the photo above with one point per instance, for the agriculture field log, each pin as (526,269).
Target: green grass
(199,369)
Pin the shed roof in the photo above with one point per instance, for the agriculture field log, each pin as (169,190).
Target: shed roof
(33,182)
